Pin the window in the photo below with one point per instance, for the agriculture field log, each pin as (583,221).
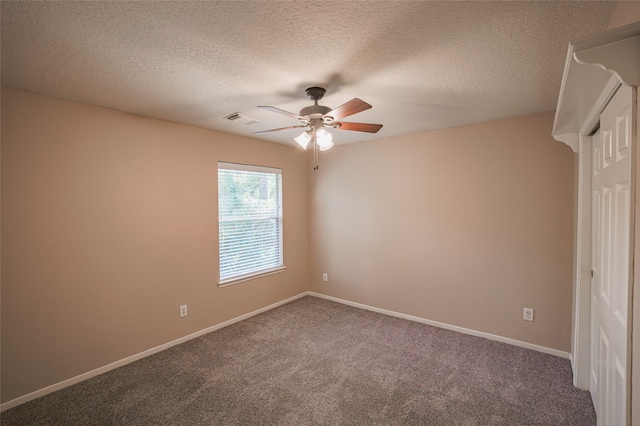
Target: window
(250,221)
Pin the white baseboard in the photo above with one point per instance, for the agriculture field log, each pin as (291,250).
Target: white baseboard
(573,371)
(489,336)
(89,374)
(93,373)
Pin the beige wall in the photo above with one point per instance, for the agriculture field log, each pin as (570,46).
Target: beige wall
(109,223)
(465,226)
(626,12)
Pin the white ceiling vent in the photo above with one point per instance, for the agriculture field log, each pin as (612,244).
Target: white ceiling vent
(239,117)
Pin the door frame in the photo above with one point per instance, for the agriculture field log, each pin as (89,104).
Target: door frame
(581,336)
(580,345)
(595,67)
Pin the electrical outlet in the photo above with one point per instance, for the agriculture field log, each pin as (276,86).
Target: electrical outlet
(183,311)
(528,314)
(325,277)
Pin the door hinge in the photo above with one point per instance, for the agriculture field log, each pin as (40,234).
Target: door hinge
(592,273)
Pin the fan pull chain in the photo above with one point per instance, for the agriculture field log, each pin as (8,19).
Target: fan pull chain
(315,155)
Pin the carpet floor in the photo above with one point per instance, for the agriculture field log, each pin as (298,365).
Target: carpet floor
(317,362)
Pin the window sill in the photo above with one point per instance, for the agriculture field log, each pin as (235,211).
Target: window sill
(242,278)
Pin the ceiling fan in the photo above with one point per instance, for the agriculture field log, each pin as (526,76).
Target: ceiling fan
(319,117)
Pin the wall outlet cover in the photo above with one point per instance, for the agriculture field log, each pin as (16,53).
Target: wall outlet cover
(528,314)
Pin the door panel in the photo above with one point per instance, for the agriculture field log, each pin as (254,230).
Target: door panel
(621,262)
(610,260)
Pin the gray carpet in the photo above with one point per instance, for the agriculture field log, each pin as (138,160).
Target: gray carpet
(316,362)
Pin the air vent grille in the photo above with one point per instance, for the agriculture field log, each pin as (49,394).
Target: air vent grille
(239,117)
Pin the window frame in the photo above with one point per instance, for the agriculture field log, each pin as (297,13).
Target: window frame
(224,165)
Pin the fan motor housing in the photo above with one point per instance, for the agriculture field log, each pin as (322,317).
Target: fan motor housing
(314,109)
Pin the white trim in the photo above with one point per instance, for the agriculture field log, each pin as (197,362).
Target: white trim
(251,276)
(595,67)
(463,330)
(616,50)
(570,139)
(587,79)
(93,373)
(582,285)
(573,369)
(248,168)
(593,117)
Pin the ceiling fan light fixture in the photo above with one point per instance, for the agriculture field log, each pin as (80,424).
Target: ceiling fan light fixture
(324,139)
(304,139)
(326,147)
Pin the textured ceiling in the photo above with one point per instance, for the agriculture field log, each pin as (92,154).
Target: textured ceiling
(422,65)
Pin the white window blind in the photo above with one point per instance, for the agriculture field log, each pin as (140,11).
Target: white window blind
(250,221)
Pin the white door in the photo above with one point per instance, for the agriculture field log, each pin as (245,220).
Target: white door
(610,265)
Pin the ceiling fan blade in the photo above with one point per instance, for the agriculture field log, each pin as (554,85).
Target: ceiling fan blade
(281,111)
(359,127)
(281,128)
(354,106)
